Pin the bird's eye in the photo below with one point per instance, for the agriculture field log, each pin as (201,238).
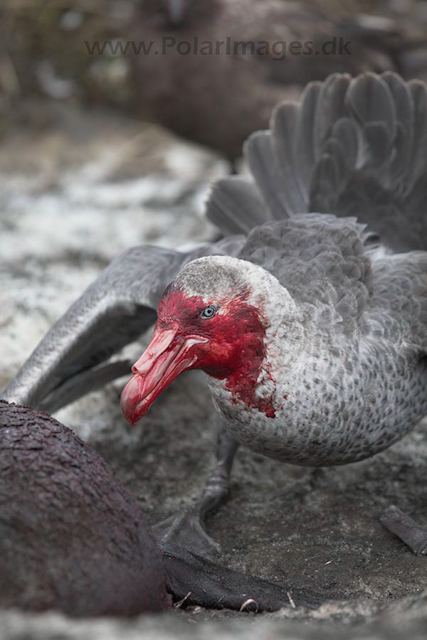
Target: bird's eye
(208,312)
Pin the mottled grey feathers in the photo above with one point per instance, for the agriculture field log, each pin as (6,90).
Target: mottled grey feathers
(323,263)
(398,308)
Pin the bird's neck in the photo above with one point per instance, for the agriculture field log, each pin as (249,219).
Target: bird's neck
(254,383)
(241,378)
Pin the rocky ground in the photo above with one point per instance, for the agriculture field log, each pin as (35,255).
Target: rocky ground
(71,198)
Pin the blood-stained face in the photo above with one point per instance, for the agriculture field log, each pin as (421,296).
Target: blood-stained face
(223,336)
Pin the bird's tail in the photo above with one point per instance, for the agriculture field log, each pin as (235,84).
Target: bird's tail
(350,147)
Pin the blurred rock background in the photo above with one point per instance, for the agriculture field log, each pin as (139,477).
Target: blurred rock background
(43,54)
(81,179)
(42,50)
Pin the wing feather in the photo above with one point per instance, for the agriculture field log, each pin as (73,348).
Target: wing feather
(113,312)
(351,147)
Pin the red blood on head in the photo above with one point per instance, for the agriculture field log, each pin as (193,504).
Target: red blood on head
(235,346)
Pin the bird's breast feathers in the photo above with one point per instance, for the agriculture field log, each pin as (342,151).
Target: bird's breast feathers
(324,409)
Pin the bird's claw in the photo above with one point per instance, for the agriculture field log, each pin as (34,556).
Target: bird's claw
(185,529)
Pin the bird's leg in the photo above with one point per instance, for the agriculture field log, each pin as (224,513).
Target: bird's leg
(412,534)
(186,529)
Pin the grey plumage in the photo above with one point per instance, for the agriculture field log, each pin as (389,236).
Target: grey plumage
(117,308)
(360,383)
(352,153)
(351,148)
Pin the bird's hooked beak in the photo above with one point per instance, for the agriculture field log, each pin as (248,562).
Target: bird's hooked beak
(167,355)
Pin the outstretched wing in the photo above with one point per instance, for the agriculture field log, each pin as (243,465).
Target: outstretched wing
(351,147)
(117,308)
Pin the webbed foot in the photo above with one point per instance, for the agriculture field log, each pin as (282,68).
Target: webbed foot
(406,529)
(185,529)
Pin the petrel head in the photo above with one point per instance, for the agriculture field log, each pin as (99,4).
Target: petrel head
(214,316)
